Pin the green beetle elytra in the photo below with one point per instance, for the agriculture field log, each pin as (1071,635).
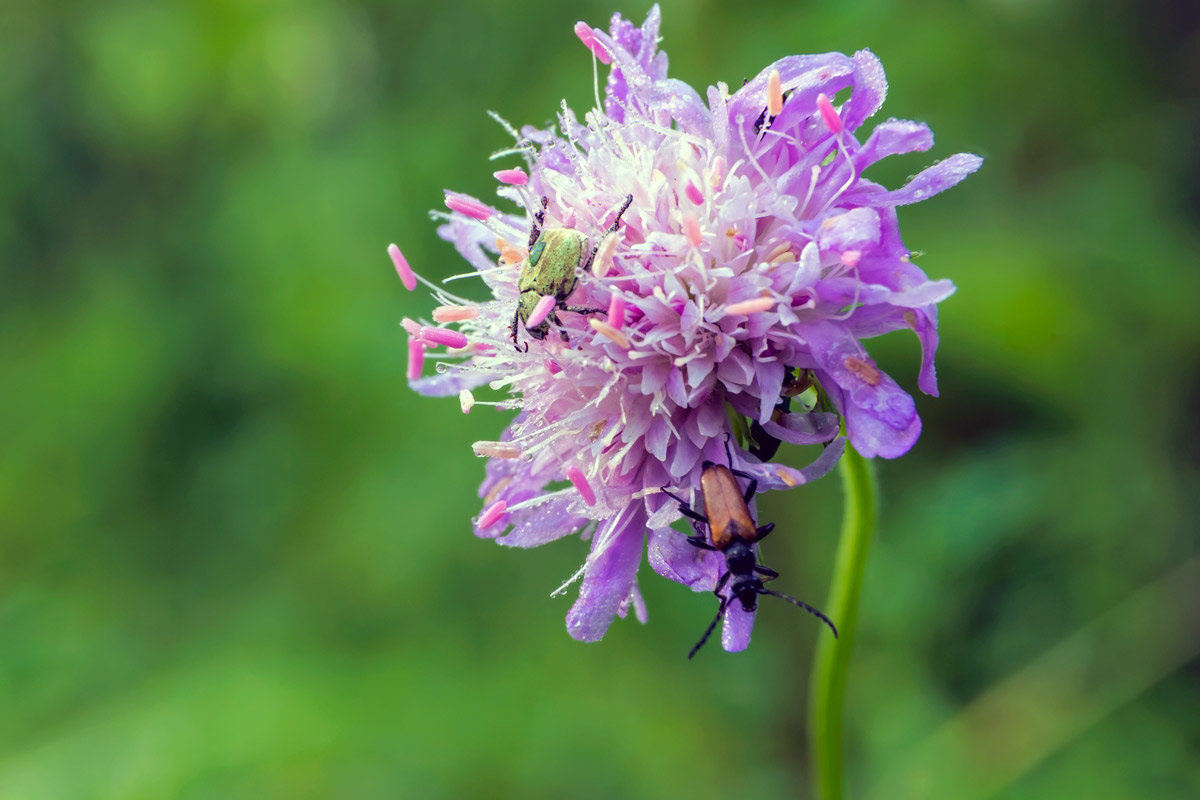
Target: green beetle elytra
(556,257)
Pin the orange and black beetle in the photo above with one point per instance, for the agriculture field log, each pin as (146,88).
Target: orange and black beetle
(733,532)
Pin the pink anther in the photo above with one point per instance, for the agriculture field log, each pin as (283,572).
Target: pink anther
(492,514)
(454,313)
(576,476)
(402,268)
(513,177)
(468,205)
(416,358)
(443,336)
(588,37)
(829,113)
(616,311)
(540,311)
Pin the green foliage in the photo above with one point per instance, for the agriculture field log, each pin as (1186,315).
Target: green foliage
(235,557)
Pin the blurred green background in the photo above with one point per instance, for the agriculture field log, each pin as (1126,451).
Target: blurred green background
(235,556)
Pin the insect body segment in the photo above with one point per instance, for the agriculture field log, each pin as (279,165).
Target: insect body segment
(556,258)
(731,531)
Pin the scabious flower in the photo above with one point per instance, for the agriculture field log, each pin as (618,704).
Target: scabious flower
(750,264)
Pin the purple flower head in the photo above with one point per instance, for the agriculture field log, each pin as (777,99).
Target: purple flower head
(750,262)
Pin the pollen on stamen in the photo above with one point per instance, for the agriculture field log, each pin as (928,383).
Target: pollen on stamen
(785,476)
(416,358)
(774,94)
(402,268)
(455,313)
(540,311)
(779,250)
(492,514)
(693,193)
(716,174)
(829,113)
(469,206)
(443,336)
(604,255)
(513,177)
(412,327)
(509,254)
(691,228)
(466,401)
(585,34)
(863,369)
(851,257)
(616,311)
(576,477)
(552,366)
(496,449)
(609,332)
(751,306)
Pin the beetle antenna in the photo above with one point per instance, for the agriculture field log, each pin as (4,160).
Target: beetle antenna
(711,626)
(816,613)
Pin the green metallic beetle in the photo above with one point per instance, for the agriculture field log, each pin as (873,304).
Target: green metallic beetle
(556,255)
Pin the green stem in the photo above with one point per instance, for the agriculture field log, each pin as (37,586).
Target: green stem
(833,655)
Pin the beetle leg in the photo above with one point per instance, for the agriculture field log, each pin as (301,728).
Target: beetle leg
(613,228)
(767,573)
(553,317)
(584,309)
(516,321)
(721,585)
(687,510)
(539,220)
(587,264)
(711,626)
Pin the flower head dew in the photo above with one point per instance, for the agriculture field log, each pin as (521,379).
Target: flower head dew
(665,274)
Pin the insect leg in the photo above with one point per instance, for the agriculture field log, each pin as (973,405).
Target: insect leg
(687,510)
(558,322)
(516,321)
(711,626)
(583,309)
(613,228)
(587,265)
(539,220)
(720,610)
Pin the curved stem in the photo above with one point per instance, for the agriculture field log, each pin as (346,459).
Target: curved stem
(833,655)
